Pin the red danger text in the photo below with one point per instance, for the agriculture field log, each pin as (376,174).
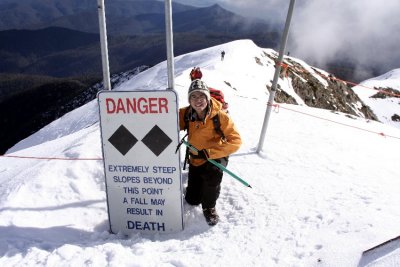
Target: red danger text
(140,105)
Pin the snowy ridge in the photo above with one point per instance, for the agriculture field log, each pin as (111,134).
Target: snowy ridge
(317,186)
(384,108)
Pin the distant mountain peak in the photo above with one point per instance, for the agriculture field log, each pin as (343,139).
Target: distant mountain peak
(217,9)
(216,6)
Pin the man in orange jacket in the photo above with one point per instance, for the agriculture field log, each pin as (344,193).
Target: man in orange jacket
(204,181)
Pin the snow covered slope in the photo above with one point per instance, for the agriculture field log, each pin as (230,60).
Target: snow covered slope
(385,105)
(324,189)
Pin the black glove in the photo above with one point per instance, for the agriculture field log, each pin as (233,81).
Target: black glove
(203,154)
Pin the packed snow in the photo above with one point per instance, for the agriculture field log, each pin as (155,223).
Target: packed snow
(325,188)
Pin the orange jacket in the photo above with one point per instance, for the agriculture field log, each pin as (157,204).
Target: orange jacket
(202,134)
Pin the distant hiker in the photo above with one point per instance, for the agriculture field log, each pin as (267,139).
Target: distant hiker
(222,55)
(196,73)
(213,133)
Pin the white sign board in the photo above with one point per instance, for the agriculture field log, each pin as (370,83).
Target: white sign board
(140,133)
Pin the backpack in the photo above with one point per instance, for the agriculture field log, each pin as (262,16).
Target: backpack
(219,95)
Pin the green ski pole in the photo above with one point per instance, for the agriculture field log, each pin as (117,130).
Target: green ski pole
(219,165)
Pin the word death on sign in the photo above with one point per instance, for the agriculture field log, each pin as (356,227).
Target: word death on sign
(140,105)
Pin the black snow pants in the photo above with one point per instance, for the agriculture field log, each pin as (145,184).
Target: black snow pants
(204,184)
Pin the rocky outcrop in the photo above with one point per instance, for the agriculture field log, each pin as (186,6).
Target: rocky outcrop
(321,90)
(386,92)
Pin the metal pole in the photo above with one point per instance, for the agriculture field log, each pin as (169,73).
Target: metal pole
(276,76)
(170,44)
(103,44)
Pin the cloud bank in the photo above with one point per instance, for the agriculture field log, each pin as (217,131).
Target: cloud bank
(365,34)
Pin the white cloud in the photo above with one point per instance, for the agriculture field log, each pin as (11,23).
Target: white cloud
(367,33)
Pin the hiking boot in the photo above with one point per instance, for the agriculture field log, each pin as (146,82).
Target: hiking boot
(211,216)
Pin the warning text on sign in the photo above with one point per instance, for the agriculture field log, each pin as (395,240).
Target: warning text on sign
(140,105)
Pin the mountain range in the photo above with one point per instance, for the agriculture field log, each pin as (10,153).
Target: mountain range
(60,38)
(74,14)
(132,17)
(62,52)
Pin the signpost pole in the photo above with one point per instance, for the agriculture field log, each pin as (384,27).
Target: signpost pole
(170,44)
(276,76)
(103,43)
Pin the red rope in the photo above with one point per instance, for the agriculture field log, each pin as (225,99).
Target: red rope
(340,123)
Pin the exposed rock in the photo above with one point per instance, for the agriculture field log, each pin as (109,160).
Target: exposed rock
(386,92)
(335,95)
(283,97)
(395,117)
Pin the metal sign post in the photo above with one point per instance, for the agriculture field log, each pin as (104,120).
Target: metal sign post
(140,133)
(103,44)
(170,44)
(276,76)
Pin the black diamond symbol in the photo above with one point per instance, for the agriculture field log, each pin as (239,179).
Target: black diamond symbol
(122,140)
(156,140)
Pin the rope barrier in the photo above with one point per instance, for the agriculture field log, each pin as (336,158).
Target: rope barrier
(340,123)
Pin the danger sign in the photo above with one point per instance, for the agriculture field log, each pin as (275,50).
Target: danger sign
(139,133)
